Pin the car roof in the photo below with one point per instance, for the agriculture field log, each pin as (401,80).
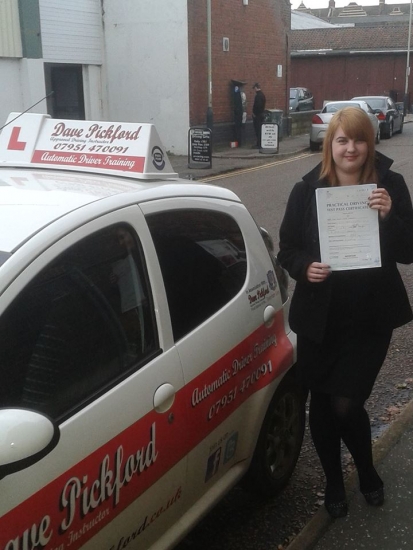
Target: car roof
(32,197)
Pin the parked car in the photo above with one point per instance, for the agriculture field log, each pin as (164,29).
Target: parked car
(320,121)
(146,360)
(390,118)
(301,99)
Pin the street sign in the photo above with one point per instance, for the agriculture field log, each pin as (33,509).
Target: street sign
(269,137)
(199,148)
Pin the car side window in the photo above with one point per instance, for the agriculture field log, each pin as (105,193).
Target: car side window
(83,323)
(203,261)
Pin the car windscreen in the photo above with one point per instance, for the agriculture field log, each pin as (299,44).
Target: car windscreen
(376,103)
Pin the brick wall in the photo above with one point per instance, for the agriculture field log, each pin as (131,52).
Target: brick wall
(258,43)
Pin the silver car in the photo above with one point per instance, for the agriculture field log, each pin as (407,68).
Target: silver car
(320,121)
(301,99)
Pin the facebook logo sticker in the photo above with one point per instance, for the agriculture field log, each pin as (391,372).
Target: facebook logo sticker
(213,464)
(231,447)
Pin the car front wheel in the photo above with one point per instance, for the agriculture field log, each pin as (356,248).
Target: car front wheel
(389,132)
(279,442)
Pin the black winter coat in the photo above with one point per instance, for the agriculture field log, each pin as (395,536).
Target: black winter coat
(299,246)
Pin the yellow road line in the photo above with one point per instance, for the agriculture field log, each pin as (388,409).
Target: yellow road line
(254,168)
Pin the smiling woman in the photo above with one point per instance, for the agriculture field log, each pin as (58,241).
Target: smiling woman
(344,319)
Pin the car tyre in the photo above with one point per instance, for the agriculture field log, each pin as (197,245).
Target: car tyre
(389,132)
(314,146)
(279,442)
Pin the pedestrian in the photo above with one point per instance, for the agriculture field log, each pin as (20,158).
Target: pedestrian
(258,109)
(344,319)
(240,112)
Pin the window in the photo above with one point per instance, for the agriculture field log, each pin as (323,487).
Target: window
(66,83)
(84,322)
(203,261)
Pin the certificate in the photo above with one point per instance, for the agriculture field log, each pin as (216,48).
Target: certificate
(348,228)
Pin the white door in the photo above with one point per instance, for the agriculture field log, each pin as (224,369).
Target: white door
(228,323)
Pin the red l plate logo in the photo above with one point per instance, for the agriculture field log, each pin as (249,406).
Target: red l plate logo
(14,143)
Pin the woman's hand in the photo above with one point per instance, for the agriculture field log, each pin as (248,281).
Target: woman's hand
(380,200)
(318,272)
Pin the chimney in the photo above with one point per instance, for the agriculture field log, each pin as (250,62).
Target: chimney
(332,4)
(381,6)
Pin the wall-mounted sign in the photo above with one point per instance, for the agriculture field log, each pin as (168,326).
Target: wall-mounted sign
(199,148)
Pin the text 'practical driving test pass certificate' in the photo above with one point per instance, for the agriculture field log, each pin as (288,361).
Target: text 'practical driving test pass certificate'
(348,228)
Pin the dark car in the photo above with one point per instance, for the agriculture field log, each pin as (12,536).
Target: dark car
(390,118)
(301,99)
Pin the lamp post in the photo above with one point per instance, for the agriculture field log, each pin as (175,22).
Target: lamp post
(408,62)
(209,115)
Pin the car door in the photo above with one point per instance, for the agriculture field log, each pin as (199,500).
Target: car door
(229,331)
(86,340)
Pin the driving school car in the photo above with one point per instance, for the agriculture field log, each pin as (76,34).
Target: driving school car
(145,355)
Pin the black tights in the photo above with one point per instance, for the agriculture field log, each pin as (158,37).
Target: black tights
(332,419)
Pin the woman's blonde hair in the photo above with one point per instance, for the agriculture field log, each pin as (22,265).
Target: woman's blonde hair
(356,124)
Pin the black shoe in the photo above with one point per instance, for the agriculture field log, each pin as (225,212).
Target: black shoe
(337,509)
(375,498)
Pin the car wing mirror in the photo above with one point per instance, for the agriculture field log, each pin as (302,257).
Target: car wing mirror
(26,437)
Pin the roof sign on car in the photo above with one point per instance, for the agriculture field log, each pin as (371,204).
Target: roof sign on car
(129,149)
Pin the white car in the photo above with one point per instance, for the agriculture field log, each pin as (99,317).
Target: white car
(146,359)
(320,121)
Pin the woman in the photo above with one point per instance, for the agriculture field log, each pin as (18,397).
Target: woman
(344,319)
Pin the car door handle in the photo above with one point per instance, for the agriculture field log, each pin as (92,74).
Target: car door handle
(269,315)
(163,398)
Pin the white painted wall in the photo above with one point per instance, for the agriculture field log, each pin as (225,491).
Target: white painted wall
(146,66)
(25,86)
(11,98)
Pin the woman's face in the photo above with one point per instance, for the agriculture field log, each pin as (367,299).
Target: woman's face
(349,155)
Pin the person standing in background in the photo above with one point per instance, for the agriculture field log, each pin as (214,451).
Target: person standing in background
(240,114)
(258,112)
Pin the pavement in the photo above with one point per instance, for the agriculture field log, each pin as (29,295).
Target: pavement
(227,159)
(389,527)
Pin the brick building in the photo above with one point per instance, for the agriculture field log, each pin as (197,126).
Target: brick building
(340,63)
(249,43)
(143,60)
